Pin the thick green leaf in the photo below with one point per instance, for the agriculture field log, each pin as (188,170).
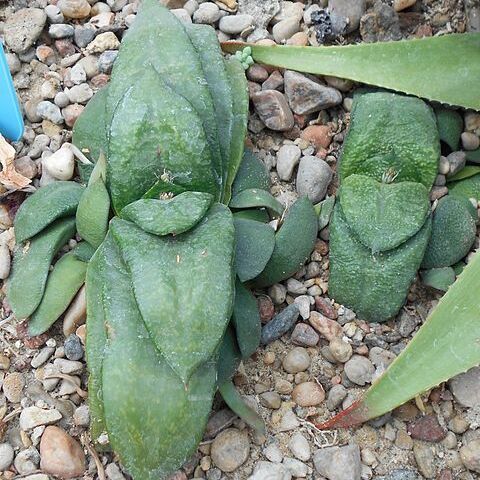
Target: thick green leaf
(246,320)
(49,203)
(446,345)
(450,126)
(383,215)
(294,243)
(253,214)
(31,263)
(439,278)
(453,232)
(255,242)
(382,144)
(468,188)
(173,216)
(234,400)
(449,73)
(253,197)
(145,144)
(466,172)
(375,286)
(239,87)
(83,251)
(148,411)
(251,174)
(229,356)
(324,211)
(63,283)
(183,285)
(473,156)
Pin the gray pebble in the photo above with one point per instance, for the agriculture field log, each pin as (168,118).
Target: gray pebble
(49,111)
(456,161)
(13,63)
(359,370)
(182,15)
(470,141)
(191,6)
(207,13)
(22,28)
(80,93)
(466,388)
(230,449)
(351,9)
(113,472)
(287,158)
(297,360)
(296,287)
(313,178)
(297,468)
(6,456)
(27,461)
(81,416)
(338,463)
(117,5)
(78,74)
(278,293)
(84,34)
(54,14)
(307,16)
(106,60)
(61,30)
(304,335)
(284,29)
(40,144)
(42,357)
(401,474)
(5,261)
(73,347)
(268,471)
(273,453)
(335,396)
(61,99)
(443,165)
(280,324)
(235,24)
(300,447)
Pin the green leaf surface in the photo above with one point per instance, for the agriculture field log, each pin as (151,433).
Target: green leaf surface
(325,210)
(173,216)
(383,141)
(473,156)
(148,411)
(255,242)
(253,197)
(449,73)
(453,232)
(229,356)
(294,242)
(450,126)
(49,203)
(83,251)
(190,281)
(383,215)
(144,143)
(31,264)
(246,320)
(236,403)
(251,174)
(439,278)
(466,172)
(446,345)
(467,188)
(375,286)
(63,283)
(253,214)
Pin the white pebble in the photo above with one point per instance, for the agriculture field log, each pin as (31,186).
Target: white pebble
(4,261)
(61,164)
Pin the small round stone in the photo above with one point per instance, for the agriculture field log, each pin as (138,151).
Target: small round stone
(6,456)
(206,13)
(300,447)
(470,455)
(74,8)
(341,351)
(359,370)
(297,360)
(73,348)
(470,141)
(308,394)
(230,449)
(271,400)
(13,386)
(235,24)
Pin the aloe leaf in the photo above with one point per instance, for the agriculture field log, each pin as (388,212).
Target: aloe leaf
(251,174)
(380,144)
(294,242)
(383,215)
(148,411)
(229,356)
(324,211)
(239,87)
(190,286)
(439,278)
(253,197)
(173,216)
(31,263)
(450,126)
(253,214)
(246,320)
(255,242)
(468,188)
(63,283)
(392,65)
(466,172)
(445,346)
(235,401)
(49,203)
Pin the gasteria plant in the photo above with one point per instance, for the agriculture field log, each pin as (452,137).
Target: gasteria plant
(169,316)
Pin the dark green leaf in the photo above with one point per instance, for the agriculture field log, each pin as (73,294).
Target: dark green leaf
(229,356)
(466,172)
(253,214)
(83,251)
(254,197)
(467,188)
(439,278)
(326,210)
(251,174)
(450,126)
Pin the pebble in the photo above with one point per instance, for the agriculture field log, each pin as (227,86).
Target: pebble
(68,366)
(339,463)
(73,347)
(182,15)
(54,14)
(399,5)
(296,360)
(341,351)
(71,113)
(336,395)
(359,370)
(27,461)
(300,447)
(466,388)
(104,41)
(304,335)
(32,417)
(42,357)
(257,73)
(61,30)
(61,99)
(317,135)
(5,261)
(277,293)
(306,95)
(83,35)
(49,111)
(456,161)
(270,471)
(280,324)
(313,178)
(380,24)
(235,24)
(207,12)
(230,449)
(470,141)
(308,394)
(6,456)
(78,75)
(4,362)
(296,287)
(380,357)
(283,386)
(325,326)
(288,422)
(23,28)
(13,385)
(273,82)
(79,93)
(113,472)
(273,110)
(61,164)
(81,416)
(458,424)
(75,9)
(285,29)
(427,429)
(273,453)
(297,468)
(351,9)
(106,60)
(425,458)
(470,455)
(13,62)
(271,400)
(287,159)
(61,455)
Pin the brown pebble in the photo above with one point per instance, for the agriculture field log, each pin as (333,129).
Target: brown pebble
(273,110)
(64,47)
(317,135)
(325,326)
(71,113)
(427,429)
(299,39)
(45,54)
(13,387)
(304,335)
(324,306)
(265,308)
(257,73)
(308,394)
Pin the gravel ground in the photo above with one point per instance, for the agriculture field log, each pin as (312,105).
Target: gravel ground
(60,53)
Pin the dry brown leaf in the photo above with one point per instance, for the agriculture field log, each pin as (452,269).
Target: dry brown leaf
(9,177)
